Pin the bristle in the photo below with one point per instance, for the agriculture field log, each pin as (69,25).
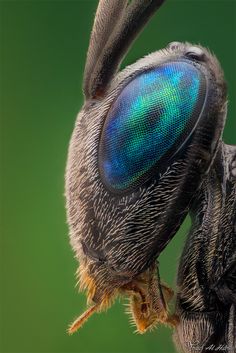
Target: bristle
(81,319)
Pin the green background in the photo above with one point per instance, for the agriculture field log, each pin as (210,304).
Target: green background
(43,49)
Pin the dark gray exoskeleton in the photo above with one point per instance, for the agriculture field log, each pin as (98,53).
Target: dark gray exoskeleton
(143,143)
(206,298)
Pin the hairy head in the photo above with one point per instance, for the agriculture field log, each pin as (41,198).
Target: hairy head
(136,158)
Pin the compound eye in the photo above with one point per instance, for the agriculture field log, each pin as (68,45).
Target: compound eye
(150,120)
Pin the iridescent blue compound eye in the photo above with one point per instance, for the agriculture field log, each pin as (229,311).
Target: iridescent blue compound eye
(151,119)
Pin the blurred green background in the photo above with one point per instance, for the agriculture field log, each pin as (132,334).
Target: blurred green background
(43,49)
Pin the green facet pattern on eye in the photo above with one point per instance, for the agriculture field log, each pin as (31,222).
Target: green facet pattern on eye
(153,114)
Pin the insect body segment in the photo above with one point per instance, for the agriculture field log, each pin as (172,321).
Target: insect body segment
(206,298)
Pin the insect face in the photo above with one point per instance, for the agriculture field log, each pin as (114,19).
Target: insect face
(136,158)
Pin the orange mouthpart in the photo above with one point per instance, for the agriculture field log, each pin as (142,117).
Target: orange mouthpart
(148,300)
(86,282)
(81,319)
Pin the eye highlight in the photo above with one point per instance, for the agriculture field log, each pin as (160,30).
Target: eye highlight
(151,118)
